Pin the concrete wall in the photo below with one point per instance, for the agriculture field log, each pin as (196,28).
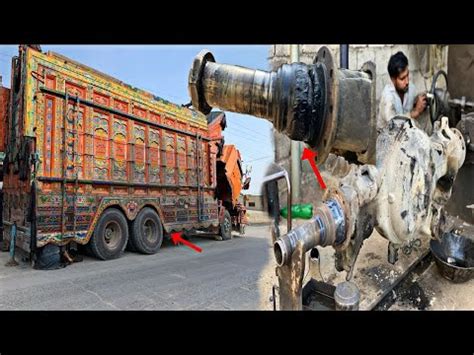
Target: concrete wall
(252,202)
(424,61)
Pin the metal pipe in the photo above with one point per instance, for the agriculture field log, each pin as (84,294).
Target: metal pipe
(239,89)
(119,183)
(344,56)
(64,165)
(325,107)
(293,98)
(327,227)
(295,171)
(277,176)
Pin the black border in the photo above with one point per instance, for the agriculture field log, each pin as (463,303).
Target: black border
(241,23)
(230,332)
(62,332)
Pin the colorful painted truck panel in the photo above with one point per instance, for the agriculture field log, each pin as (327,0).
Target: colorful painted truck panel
(79,142)
(4,102)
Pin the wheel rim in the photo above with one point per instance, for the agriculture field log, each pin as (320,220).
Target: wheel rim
(112,235)
(150,230)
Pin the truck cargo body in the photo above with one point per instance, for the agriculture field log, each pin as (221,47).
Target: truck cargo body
(4,104)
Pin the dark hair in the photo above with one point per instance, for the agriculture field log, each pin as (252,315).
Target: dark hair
(397,63)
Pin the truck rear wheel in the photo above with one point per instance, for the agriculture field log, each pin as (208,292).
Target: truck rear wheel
(110,235)
(146,232)
(226,227)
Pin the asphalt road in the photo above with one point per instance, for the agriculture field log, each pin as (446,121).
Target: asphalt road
(224,276)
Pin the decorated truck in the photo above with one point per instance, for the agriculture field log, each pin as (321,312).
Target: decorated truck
(91,161)
(4,104)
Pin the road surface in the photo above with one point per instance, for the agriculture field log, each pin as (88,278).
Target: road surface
(226,275)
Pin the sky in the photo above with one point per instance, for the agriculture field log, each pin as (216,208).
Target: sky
(163,70)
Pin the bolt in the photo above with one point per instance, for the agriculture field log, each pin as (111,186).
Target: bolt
(391,198)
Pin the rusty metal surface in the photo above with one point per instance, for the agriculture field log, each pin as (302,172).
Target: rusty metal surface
(417,173)
(290,280)
(326,107)
(349,123)
(325,228)
(402,191)
(343,221)
(403,196)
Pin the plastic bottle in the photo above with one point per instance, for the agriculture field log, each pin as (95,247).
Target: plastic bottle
(302,211)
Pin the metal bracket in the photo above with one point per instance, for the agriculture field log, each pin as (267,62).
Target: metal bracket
(290,279)
(392,253)
(273,178)
(357,246)
(413,244)
(290,276)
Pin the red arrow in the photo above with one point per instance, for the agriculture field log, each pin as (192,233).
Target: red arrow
(176,238)
(310,155)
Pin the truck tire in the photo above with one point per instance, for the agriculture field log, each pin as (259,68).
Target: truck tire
(110,235)
(147,232)
(130,246)
(226,227)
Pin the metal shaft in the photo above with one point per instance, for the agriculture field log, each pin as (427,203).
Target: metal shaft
(239,89)
(327,227)
(325,107)
(292,98)
(295,145)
